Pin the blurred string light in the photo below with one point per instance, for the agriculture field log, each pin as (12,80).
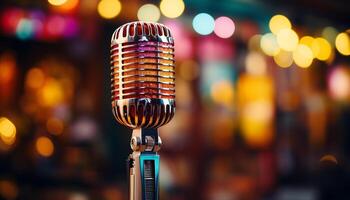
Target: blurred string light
(255,64)
(203,24)
(57,2)
(224,27)
(172,8)
(268,44)
(283,59)
(339,83)
(109,9)
(7,131)
(148,12)
(44,146)
(279,22)
(321,49)
(287,39)
(54,126)
(342,43)
(302,56)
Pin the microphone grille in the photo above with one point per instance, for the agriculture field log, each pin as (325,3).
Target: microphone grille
(143,74)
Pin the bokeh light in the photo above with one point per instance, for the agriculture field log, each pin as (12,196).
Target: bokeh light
(255,64)
(67,6)
(8,189)
(302,56)
(283,59)
(25,29)
(287,39)
(224,27)
(222,92)
(148,12)
(268,44)
(279,22)
(44,146)
(321,48)
(330,33)
(172,8)
(7,131)
(203,24)
(189,70)
(109,9)
(339,83)
(35,78)
(51,93)
(342,43)
(57,2)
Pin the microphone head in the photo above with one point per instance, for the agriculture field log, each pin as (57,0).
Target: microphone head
(142,75)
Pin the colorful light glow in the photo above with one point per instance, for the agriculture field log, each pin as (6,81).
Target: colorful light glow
(55,26)
(203,24)
(279,22)
(339,83)
(7,131)
(321,49)
(24,29)
(268,44)
(51,93)
(287,39)
(57,2)
(109,9)
(303,56)
(35,78)
(172,8)
(254,43)
(224,27)
(148,12)
(283,59)
(342,43)
(67,6)
(255,64)
(44,146)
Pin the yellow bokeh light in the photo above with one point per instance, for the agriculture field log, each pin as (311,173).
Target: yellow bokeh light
(321,48)
(57,2)
(148,12)
(35,78)
(306,40)
(7,128)
(268,44)
(222,92)
(54,126)
(303,56)
(342,43)
(67,6)
(283,59)
(287,39)
(339,83)
(172,8)
(109,9)
(279,22)
(44,146)
(51,93)
(255,64)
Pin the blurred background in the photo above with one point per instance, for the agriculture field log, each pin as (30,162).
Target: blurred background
(263,100)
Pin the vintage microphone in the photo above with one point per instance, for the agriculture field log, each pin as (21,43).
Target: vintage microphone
(143,97)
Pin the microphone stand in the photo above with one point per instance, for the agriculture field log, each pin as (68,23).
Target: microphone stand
(143,164)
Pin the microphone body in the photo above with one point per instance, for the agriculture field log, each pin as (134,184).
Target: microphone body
(143,97)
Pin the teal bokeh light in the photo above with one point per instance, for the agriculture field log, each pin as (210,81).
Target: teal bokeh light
(24,29)
(203,24)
